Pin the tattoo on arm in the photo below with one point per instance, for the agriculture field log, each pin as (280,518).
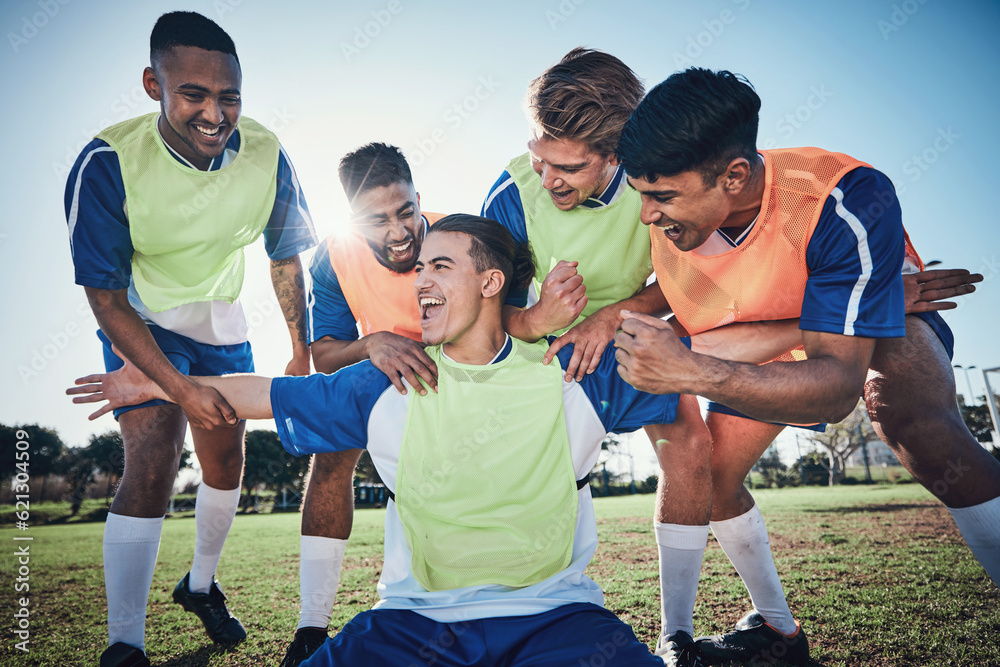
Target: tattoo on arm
(289,287)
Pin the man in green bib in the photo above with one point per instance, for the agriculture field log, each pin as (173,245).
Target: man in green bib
(159,210)
(569,198)
(490,525)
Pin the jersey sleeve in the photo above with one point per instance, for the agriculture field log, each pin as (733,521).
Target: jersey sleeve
(328,312)
(289,230)
(326,413)
(621,407)
(99,236)
(503,204)
(854,259)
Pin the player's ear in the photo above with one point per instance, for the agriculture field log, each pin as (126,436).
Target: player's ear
(493,282)
(152,85)
(736,176)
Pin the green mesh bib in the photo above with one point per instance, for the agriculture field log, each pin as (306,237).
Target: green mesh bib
(189,227)
(485,488)
(610,243)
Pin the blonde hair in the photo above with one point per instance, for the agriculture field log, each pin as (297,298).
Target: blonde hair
(587,96)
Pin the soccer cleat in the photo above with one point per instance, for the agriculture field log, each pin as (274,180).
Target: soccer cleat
(222,627)
(679,650)
(307,641)
(754,641)
(121,654)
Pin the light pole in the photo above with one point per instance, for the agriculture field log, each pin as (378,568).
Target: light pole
(991,402)
(971,398)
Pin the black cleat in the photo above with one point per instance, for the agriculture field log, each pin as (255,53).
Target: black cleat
(121,654)
(754,641)
(222,627)
(307,641)
(679,650)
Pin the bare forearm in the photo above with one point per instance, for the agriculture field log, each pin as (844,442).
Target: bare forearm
(648,301)
(249,395)
(330,355)
(520,323)
(126,330)
(814,390)
(751,342)
(289,287)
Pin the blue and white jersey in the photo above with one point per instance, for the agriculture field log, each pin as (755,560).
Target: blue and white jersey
(327,309)
(503,204)
(97,215)
(853,258)
(357,407)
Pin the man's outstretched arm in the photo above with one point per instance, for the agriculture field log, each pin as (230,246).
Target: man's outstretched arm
(249,395)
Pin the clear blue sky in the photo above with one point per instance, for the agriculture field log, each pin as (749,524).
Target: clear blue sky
(911,87)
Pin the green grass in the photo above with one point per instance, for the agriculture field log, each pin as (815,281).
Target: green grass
(878,576)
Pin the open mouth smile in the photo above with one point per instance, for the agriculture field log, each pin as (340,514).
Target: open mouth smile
(430,306)
(400,251)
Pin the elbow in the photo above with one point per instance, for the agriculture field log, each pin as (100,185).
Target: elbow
(842,406)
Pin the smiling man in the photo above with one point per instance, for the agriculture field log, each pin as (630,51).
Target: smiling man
(363,278)
(159,209)
(491,524)
(568,197)
(741,235)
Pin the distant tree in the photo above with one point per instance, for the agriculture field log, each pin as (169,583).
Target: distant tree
(812,468)
(108,455)
(977,418)
(841,440)
(773,470)
(44,448)
(365,470)
(78,468)
(268,466)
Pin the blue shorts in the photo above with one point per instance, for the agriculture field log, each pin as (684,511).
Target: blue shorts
(187,356)
(573,635)
(933,320)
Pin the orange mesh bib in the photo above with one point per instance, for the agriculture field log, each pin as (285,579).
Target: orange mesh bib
(380,299)
(764,278)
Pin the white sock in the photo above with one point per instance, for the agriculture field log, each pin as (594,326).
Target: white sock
(214,510)
(681,551)
(980,526)
(319,573)
(744,539)
(130,548)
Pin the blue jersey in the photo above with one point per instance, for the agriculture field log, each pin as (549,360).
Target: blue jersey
(328,311)
(503,204)
(101,244)
(357,407)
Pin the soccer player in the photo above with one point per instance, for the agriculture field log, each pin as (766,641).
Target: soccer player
(160,208)
(568,197)
(491,522)
(741,234)
(363,278)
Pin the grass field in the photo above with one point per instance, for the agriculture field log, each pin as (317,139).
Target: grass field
(877,575)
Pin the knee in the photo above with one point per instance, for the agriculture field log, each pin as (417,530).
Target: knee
(902,427)
(333,468)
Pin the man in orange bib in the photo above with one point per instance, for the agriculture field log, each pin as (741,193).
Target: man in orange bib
(741,235)
(364,279)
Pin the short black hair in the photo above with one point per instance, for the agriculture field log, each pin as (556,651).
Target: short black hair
(492,247)
(371,166)
(188,29)
(696,120)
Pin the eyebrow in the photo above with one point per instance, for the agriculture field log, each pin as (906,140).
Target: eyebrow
(653,193)
(435,260)
(202,89)
(379,216)
(579,165)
